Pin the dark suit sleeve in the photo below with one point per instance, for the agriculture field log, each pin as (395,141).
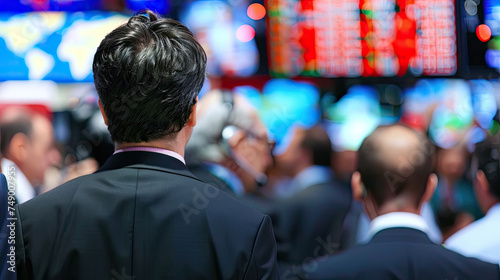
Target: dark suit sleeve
(6,272)
(263,264)
(21,263)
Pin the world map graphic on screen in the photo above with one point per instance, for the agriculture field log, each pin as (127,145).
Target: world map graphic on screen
(56,46)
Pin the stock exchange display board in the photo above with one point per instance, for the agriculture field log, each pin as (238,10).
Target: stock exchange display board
(362,38)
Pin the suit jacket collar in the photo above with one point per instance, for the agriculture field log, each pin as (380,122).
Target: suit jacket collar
(146,160)
(401,234)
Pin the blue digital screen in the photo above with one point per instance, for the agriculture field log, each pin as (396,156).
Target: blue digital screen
(20,6)
(283,105)
(492,20)
(57,46)
(159,6)
(216,25)
(492,16)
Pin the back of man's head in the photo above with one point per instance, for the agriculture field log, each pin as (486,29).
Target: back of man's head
(148,73)
(317,141)
(9,128)
(27,140)
(487,158)
(395,163)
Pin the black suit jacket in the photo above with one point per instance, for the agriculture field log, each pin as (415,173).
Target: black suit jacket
(7,265)
(310,223)
(254,200)
(398,253)
(202,173)
(142,216)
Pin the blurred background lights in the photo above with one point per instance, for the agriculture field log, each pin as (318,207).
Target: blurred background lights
(483,32)
(159,6)
(493,58)
(353,118)
(471,7)
(256,11)
(245,33)
(214,23)
(282,114)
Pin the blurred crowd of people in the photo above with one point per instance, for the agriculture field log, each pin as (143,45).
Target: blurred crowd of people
(306,188)
(322,199)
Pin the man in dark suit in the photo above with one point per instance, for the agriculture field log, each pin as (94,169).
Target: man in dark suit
(394,179)
(143,215)
(309,221)
(7,202)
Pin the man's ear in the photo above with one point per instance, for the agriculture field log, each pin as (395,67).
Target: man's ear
(192,117)
(18,149)
(481,185)
(103,113)
(431,187)
(358,189)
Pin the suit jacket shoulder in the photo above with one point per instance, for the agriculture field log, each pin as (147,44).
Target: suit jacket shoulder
(146,221)
(308,220)
(399,253)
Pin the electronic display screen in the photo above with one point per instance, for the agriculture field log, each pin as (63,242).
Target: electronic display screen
(480,28)
(362,38)
(228,35)
(492,21)
(20,6)
(57,46)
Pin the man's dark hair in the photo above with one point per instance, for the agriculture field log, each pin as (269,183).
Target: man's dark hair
(148,73)
(395,172)
(487,158)
(318,142)
(9,129)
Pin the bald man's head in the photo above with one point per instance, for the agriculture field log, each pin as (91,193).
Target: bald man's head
(395,163)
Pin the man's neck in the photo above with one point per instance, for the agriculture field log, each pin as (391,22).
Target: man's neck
(493,203)
(171,145)
(391,207)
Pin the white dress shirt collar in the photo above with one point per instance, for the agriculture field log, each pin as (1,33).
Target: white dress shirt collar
(24,189)
(494,211)
(480,239)
(397,219)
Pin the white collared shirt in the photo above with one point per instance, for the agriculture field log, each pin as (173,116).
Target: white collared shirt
(480,239)
(24,189)
(395,220)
